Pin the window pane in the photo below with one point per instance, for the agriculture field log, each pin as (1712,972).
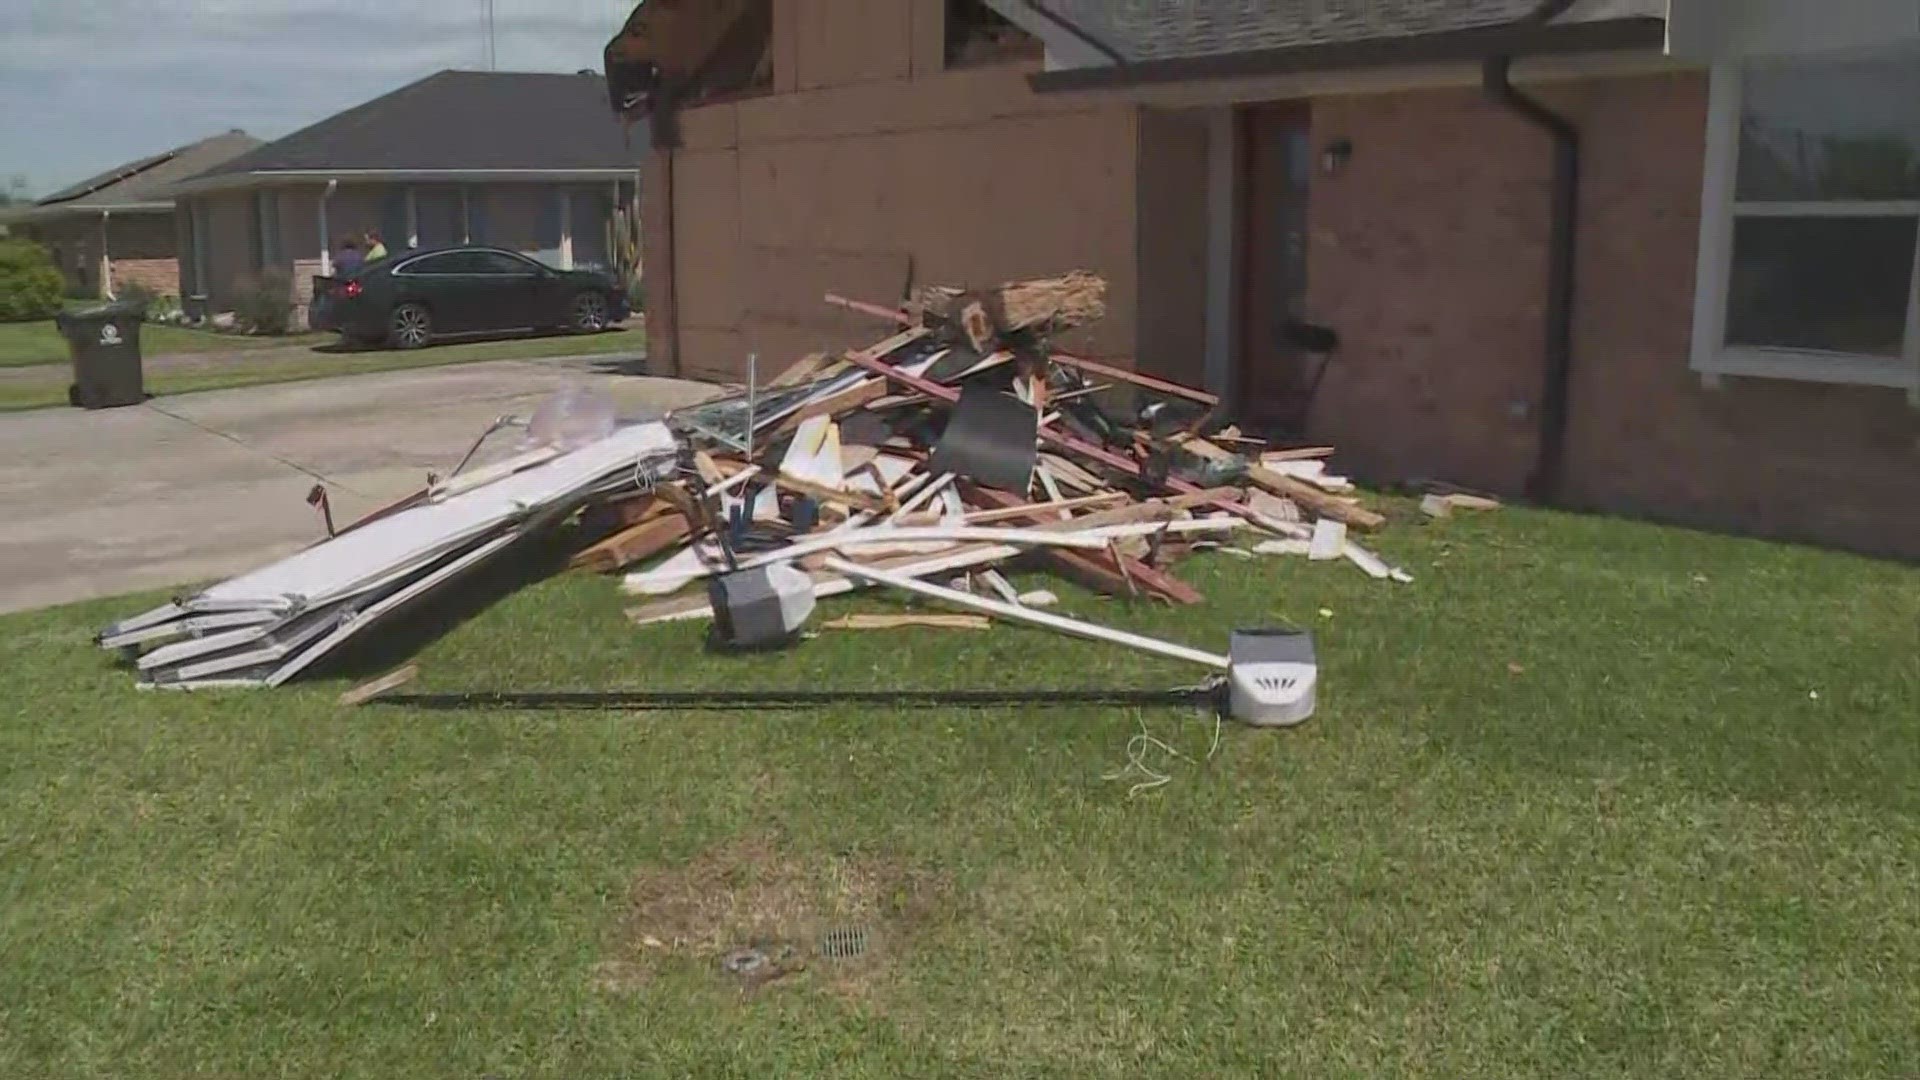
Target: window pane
(1834,284)
(436,264)
(492,262)
(1831,129)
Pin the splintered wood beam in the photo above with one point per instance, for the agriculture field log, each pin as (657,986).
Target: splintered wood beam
(1072,299)
(632,545)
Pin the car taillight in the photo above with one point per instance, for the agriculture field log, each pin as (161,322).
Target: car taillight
(350,290)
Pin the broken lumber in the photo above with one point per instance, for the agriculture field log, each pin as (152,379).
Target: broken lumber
(895,622)
(374,687)
(1055,303)
(629,546)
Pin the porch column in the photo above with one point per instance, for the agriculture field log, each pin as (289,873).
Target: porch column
(106,263)
(1223,175)
(466,215)
(566,228)
(326,235)
(413,219)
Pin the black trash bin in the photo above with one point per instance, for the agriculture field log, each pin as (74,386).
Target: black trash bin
(105,344)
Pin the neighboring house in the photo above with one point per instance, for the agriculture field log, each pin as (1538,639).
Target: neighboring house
(1697,301)
(532,162)
(118,228)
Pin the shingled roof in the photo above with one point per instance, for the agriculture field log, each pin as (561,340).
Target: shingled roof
(458,121)
(1165,38)
(144,184)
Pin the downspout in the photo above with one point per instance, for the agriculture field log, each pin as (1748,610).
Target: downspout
(1544,483)
(672,262)
(326,237)
(105,270)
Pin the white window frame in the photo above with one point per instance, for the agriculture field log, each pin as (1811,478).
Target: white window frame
(1712,356)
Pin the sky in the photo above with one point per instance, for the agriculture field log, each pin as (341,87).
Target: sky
(88,84)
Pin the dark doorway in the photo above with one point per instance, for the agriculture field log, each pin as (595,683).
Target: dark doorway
(1276,375)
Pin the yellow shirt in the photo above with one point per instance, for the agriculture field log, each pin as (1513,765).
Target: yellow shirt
(376,252)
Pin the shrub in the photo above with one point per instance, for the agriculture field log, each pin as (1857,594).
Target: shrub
(265,303)
(135,293)
(31,287)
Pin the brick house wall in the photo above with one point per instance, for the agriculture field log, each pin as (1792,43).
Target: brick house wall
(1428,254)
(871,167)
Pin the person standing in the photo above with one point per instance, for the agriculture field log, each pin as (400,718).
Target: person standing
(349,258)
(375,249)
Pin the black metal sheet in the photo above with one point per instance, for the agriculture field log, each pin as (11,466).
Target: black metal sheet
(990,439)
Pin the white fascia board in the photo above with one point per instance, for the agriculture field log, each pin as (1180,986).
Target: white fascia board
(390,547)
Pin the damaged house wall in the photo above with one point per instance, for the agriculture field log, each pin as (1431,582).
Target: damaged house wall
(873,168)
(1428,253)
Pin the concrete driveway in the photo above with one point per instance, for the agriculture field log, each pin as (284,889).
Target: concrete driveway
(200,486)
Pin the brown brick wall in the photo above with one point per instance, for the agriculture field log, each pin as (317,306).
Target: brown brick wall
(1172,229)
(161,276)
(1428,255)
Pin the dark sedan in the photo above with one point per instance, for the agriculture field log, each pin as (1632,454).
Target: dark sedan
(416,297)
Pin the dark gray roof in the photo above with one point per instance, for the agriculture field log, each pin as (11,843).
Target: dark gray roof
(147,181)
(1153,30)
(475,120)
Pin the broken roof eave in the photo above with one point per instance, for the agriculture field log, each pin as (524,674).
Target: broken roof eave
(202,185)
(1456,45)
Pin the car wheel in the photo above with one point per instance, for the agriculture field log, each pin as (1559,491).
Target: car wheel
(410,326)
(587,314)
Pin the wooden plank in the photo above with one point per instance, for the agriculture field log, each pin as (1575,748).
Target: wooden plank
(802,370)
(632,545)
(624,513)
(859,500)
(1035,511)
(1298,453)
(1316,500)
(878,311)
(1109,571)
(1095,367)
(895,622)
(373,688)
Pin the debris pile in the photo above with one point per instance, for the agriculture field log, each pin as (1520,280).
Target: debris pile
(959,443)
(926,462)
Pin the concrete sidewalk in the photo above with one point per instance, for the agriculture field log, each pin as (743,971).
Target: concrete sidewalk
(194,487)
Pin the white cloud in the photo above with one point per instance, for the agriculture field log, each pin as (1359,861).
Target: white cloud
(91,83)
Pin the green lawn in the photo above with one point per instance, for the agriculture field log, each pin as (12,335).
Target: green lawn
(27,344)
(41,393)
(1590,798)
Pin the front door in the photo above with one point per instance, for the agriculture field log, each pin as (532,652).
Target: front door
(1275,375)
